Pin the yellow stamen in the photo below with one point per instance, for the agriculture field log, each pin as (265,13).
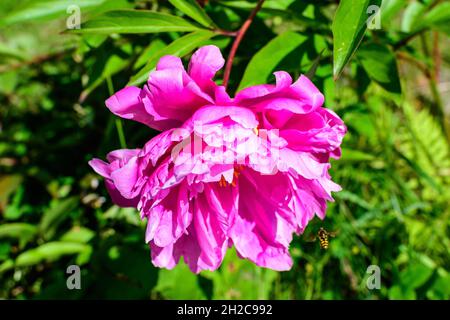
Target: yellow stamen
(256,131)
(236,173)
(222,182)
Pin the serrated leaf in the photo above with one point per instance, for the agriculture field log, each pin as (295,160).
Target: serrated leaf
(192,9)
(266,59)
(180,47)
(349,26)
(135,21)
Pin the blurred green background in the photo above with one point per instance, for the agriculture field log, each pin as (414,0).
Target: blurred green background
(393,95)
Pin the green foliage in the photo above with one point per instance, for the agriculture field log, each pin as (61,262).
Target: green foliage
(192,9)
(266,59)
(134,21)
(349,25)
(179,47)
(395,167)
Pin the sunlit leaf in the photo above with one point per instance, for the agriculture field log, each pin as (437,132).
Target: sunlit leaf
(349,26)
(24,232)
(192,9)
(135,21)
(49,252)
(266,59)
(381,66)
(180,47)
(44,10)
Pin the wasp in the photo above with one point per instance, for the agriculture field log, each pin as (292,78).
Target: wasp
(323,236)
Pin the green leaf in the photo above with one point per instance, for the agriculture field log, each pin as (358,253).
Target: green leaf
(44,10)
(266,59)
(178,283)
(438,17)
(180,47)
(7,265)
(55,215)
(415,275)
(22,231)
(413,13)
(355,155)
(389,9)
(6,51)
(192,9)
(135,21)
(349,26)
(241,279)
(154,46)
(106,66)
(50,251)
(381,66)
(311,73)
(78,234)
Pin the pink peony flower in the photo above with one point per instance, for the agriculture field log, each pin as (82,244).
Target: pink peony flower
(246,172)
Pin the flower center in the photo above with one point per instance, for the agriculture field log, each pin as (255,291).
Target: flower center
(237,171)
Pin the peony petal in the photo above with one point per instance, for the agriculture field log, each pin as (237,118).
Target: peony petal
(164,257)
(204,64)
(211,114)
(260,232)
(169,62)
(101,167)
(171,97)
(127,104)
(117,197)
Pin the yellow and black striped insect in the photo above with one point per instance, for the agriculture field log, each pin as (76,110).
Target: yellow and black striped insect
(324,237)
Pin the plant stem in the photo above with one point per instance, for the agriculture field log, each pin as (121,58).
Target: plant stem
(240,34)
(118,122)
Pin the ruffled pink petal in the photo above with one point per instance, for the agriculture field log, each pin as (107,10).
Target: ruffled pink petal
(120,188)
(125,178)
(127,104)
(301,97)
(211,114)
(253,94)
(169,217)
(260,232)
(164,257)
(117,197)
(204,64)
(171,97)
(101,167)
(170,62)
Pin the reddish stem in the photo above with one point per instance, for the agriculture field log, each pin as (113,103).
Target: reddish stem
(240,34)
